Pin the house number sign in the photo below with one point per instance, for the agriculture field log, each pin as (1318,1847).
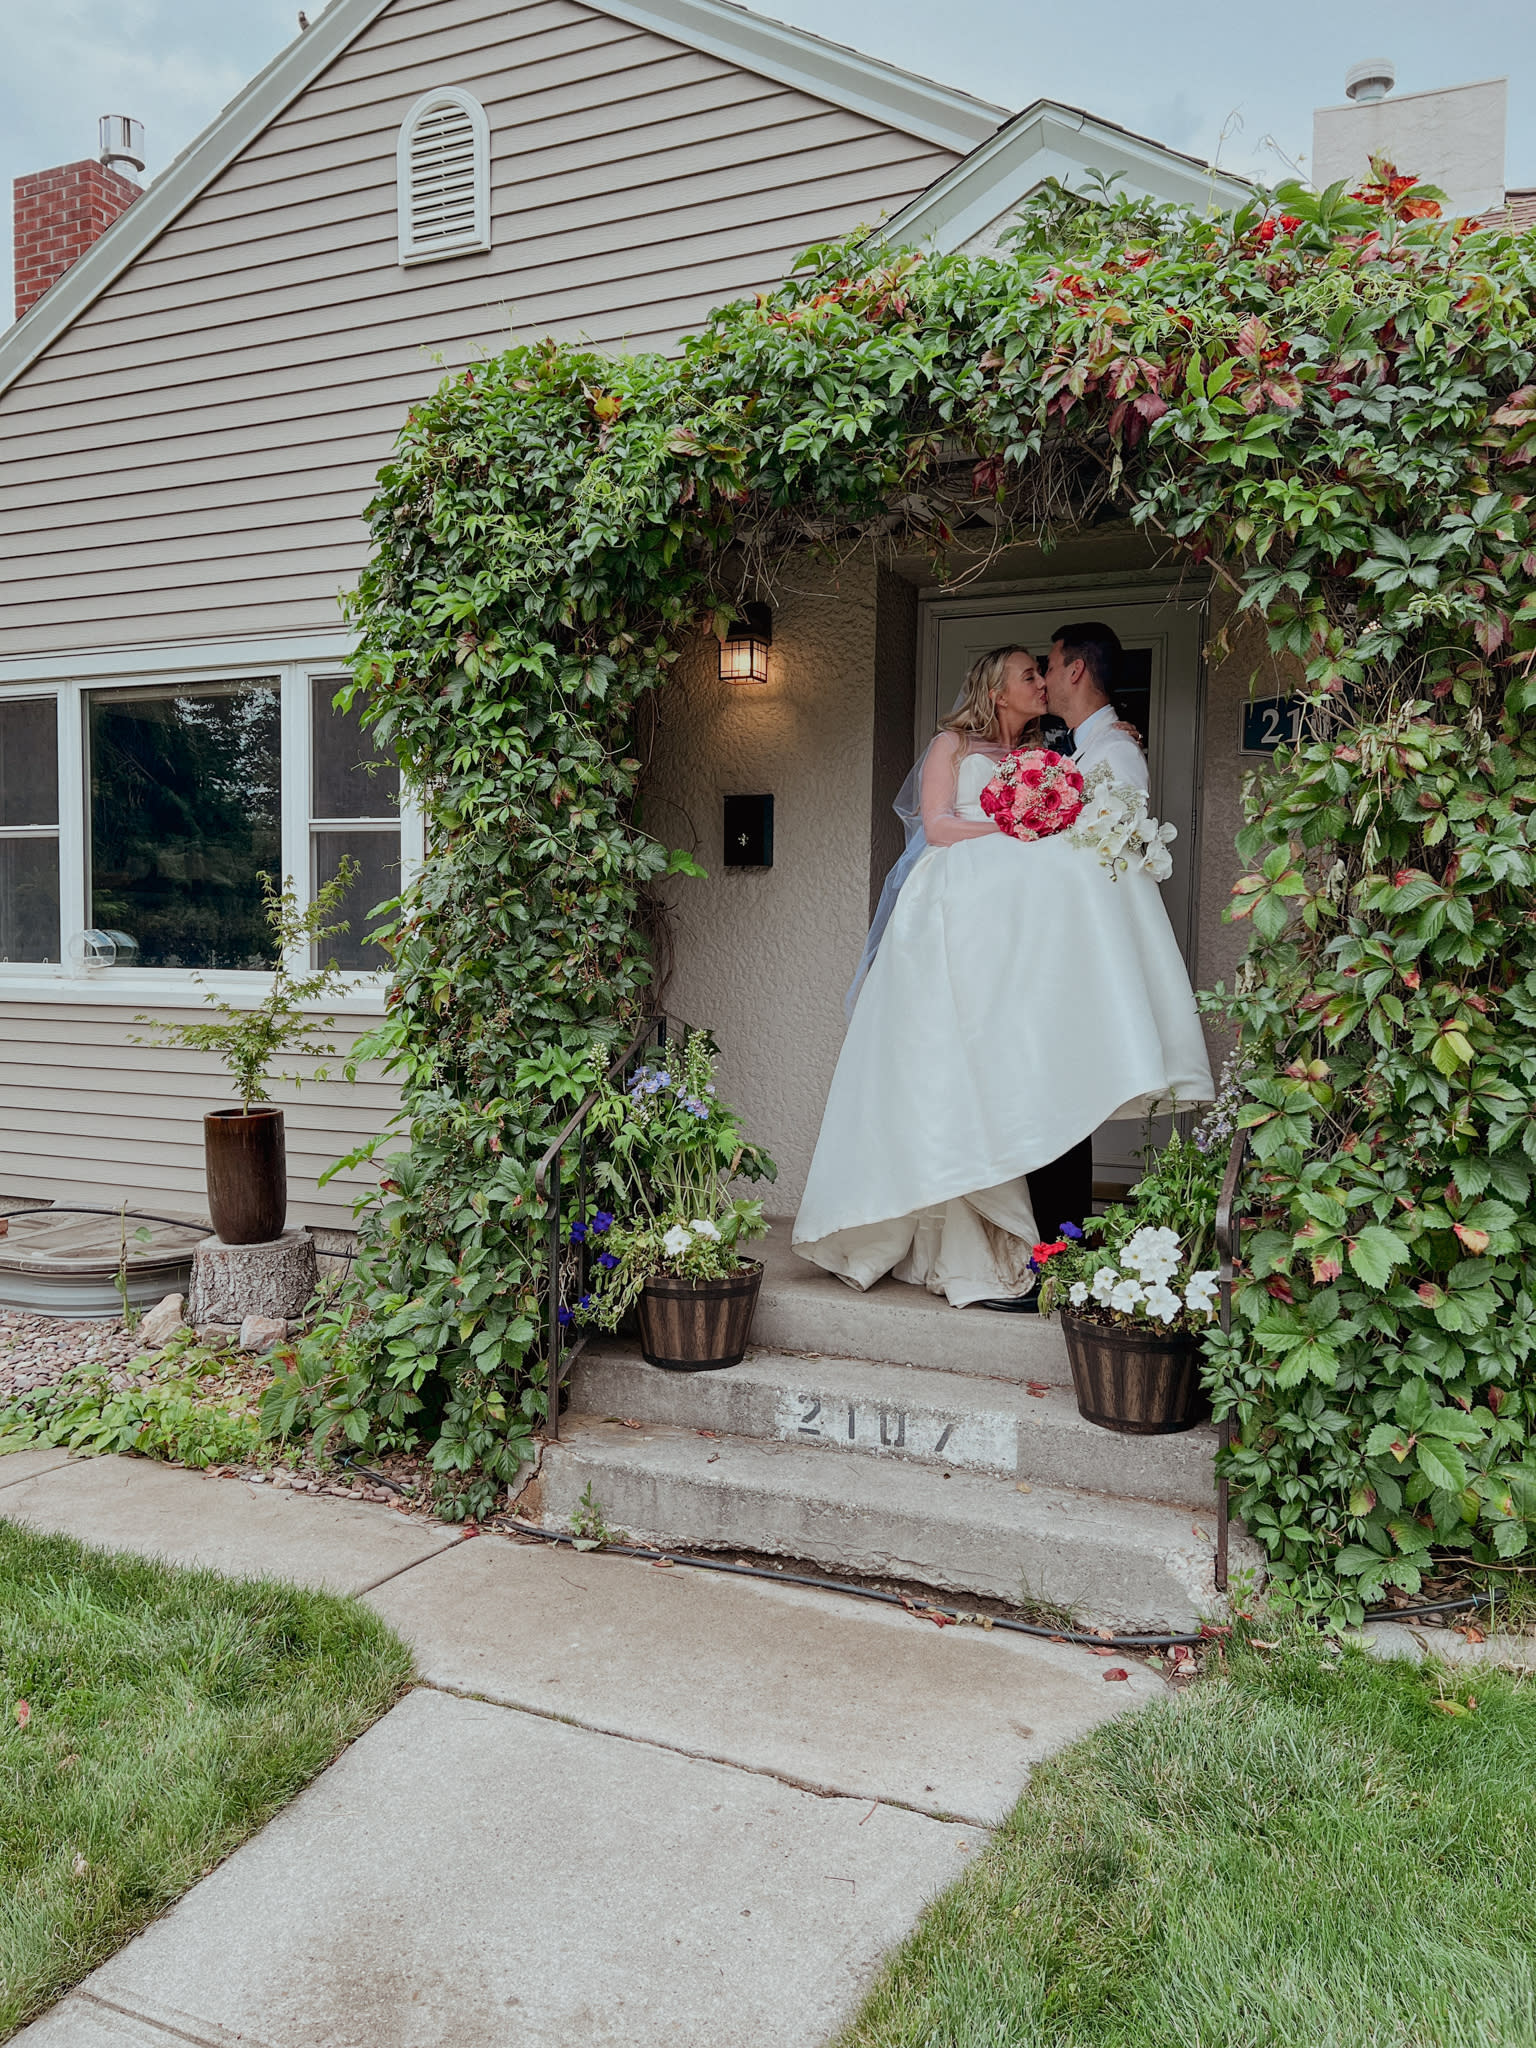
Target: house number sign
(1270,722)
(967,1442)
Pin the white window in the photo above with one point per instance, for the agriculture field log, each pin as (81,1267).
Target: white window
(444,171)
(138,814)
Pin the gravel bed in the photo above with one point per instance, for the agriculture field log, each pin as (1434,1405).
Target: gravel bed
(37,1350)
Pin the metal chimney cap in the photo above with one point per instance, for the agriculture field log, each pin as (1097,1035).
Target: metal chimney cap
(122,142)
(1369,81)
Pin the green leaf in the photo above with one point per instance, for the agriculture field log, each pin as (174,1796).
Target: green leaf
(1374,1253)
(1442,1464)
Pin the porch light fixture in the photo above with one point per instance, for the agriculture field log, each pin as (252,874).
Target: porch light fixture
(744,650)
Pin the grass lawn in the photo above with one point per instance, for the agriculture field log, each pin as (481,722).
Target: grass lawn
(150,1719)
(1308,1852)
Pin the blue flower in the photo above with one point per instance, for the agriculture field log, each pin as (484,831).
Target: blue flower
(565,1316)
(585,1301)
(1070,1230)
(601,1222)
(607,1261)
(578,1233)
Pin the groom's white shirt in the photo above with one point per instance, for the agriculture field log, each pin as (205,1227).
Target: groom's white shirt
(1099,745)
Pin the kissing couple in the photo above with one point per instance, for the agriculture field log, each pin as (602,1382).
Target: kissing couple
(1015,993)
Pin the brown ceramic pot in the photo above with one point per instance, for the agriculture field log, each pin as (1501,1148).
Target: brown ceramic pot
(246,1164)
(698,1325)
(1133,1381)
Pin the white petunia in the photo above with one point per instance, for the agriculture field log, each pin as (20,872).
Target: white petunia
(1105,1282)
(1128,1295)
(677,1241)
(1163,1303)
(1201,1293)
(1152,1252)
(702,1227)
(1077,1293)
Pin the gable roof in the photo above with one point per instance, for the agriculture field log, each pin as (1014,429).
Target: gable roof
(1050,140)
(791,56)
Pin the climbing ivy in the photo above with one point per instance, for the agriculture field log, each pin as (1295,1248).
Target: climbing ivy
(1329,400)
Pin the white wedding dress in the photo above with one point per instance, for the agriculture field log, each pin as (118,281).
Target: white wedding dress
(1021,996)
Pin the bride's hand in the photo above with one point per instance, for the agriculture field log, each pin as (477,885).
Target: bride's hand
(1120,725)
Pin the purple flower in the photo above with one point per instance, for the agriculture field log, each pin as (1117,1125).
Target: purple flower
(565,1316)
(601,1223)
(585,1301)
(1070,1230)
(578,1233)
(607,1261)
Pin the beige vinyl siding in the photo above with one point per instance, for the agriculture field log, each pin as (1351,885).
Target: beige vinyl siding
(87,1114)
(191,459)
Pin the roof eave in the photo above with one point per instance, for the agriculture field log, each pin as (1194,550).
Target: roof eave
(1049,139)
(181,182)
(899,99)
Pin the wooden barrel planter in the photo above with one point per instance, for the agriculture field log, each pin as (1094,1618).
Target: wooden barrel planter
(1134,1381)
(698,1325)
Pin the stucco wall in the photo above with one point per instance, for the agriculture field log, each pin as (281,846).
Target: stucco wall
(763,956)
(1250,670)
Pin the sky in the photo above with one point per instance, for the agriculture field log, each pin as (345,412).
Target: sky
(1234,82)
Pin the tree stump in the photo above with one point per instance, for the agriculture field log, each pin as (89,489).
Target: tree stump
(233,1281)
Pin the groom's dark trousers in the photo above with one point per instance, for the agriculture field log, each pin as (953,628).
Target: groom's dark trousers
(1062,1192)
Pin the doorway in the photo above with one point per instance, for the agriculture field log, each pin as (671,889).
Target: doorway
(1161,692)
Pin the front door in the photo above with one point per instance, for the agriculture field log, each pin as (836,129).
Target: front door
(1160,693)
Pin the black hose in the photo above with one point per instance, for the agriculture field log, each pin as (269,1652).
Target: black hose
(1022,1628)
(85,1209)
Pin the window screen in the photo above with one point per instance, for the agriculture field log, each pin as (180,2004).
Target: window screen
(29,830)
(354,813)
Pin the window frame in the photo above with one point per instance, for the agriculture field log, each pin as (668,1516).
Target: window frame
(478,238)
(176,987)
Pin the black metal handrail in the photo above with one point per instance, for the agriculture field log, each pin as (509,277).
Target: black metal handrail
(1229,1246)
(549,1187)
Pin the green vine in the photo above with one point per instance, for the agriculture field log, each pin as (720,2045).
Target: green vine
(1329,400)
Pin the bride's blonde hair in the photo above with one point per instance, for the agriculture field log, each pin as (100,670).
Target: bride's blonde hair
(975,716)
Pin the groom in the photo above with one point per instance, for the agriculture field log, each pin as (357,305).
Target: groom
(1079,673)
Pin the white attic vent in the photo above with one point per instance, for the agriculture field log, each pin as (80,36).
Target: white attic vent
(444,170)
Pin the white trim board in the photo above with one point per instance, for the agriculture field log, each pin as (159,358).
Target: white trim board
(176,660)
(771,49)
(1050,140)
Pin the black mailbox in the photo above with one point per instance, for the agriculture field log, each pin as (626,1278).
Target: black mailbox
(749,831)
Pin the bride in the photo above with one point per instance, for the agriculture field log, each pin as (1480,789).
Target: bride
(1019,996)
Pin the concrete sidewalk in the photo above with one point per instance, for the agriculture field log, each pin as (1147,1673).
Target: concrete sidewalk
(626,1804)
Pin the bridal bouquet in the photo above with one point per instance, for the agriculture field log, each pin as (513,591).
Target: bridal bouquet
(1113,822)
(1034,794)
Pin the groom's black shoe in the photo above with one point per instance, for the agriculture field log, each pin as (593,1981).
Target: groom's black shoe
(1021,1305)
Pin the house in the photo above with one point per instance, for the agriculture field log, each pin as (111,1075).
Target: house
(192,412)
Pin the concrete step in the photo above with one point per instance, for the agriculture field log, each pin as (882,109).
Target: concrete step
(1111,1562)
(802,1308)
(958,1422)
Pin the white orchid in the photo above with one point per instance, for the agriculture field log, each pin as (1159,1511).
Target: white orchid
(677,1240)
(1114,823)
(702,1227)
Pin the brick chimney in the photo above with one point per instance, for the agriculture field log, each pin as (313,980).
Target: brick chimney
(59,214)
